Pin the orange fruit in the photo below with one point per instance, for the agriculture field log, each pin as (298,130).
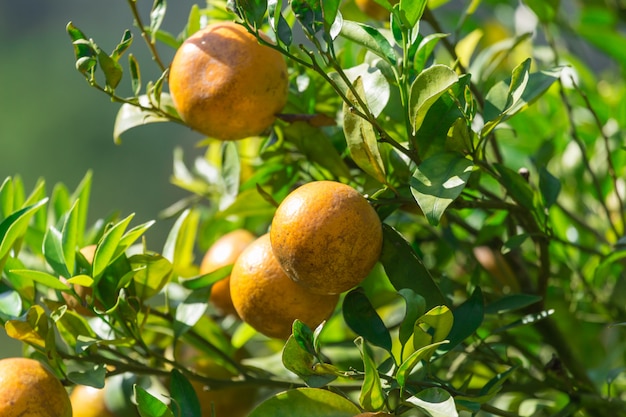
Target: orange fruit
(225,84)
(89,402)
(235,401)
(267,299)
(29,389)
(373,9)
(222,253)
(326,236)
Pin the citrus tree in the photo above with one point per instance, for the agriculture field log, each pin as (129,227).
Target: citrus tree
(407,208)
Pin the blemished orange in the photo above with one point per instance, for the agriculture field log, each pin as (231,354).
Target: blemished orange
(89,402)
(224,252)
(326,236)
(267,299)
(373,9)
(29,389)
(227,85)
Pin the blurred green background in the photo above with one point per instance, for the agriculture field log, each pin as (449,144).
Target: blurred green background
(53,125)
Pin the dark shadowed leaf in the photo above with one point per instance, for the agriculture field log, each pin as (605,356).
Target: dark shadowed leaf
(363,319)
(406,270)
(184,398)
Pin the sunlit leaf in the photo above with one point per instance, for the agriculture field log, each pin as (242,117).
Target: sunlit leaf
(422,354)
(306,402)
(437,402)
(372,397)
(438,181)
(14,226)
(370,38)
(429,85)
(149,405)
(361,137)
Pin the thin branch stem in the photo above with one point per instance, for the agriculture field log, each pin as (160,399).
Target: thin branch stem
(155,55)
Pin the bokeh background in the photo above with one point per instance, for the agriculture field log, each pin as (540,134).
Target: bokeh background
(54,125)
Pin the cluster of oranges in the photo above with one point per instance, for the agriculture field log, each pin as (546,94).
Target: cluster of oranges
(324,239)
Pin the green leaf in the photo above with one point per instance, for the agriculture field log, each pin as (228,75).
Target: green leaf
(511,302)
(507,98)
(406,270)
(14,226)
(438,181)
(306,402)
(71,325)
(494,385)
(361,137)
(549,186)
(415,307)
(432,327)
(467,319)
(81,195)
(53,251)
(135,74)
(6,198)
(413,10)
(181,239)
(190,310)
(41,277)
(373,88)
(370,38)
(123,45)
(317,147)
(31,329)
(302,363)
(372,397)
(363,319)
(546,10)
(149,405)
(429,85)
(69,238)
(106,251)
(112,69)
(278,23)
(436,402)
(184,397)
(152,272)
(230,174)
(309,15)
(157,14)
(516,186)
(425,49)
(422,354)
(254,11)
(206,280)
(10,305)
(130,116)
(93,377)
(514,242)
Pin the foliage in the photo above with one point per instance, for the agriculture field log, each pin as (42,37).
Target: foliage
(493,152)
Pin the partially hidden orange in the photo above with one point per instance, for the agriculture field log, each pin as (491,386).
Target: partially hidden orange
(267,299)
(89,402)
(224,252)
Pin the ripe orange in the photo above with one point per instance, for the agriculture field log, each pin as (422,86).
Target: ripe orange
(267,299)
(89,402)
(225,84)
(326,236)
(29,389)
(222,253)
(373,9)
